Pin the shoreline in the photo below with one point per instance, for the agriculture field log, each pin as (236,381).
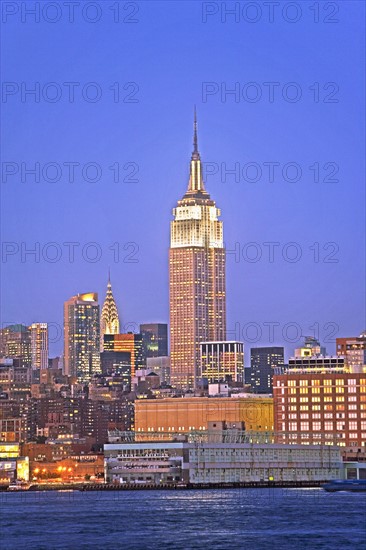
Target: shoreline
(86,487)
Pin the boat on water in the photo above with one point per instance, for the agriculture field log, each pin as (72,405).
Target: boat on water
(19,486)
(354,485)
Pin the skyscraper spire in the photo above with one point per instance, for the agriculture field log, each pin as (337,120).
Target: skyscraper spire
(109,318)
(196,185)
(195,140)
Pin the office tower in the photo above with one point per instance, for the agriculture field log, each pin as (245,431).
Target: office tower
(310,348)
(320,407)
(15,342)
(131,343)
(39,343)
(222,361)
(109,321)
(263,361)
(197,299)
(155,339)
(82,336)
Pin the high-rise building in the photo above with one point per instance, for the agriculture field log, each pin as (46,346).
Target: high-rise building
(131,343)
(82,336)
(39,343)
(196,276)
(222,361)
(15,342)
(311,347)
(109,321)
(155,339)
(263,361)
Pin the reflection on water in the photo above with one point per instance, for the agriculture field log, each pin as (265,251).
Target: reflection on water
(217,519)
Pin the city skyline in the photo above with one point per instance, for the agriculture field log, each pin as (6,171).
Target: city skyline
(155,134)
(271,328)
(183,274)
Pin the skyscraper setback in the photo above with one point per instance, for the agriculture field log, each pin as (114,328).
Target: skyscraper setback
(196,276)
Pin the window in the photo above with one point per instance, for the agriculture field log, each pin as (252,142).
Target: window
(316,426)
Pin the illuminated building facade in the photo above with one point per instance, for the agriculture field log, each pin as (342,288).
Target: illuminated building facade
(222,361)
(82,336)
(194,413)
(109,320)
(317,363)
(263,362)
(197,296)
(15,342)
(354,351)
(39,343)
(323,406)
(131,343)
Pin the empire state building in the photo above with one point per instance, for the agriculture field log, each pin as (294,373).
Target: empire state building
(196,276)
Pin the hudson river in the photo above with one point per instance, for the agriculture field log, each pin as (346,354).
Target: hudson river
(183,519)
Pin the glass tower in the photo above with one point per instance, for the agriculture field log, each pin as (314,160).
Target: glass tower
(82,336)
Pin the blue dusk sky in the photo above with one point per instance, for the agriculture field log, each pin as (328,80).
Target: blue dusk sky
(108,131)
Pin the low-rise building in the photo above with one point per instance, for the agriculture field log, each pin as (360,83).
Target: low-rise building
(217,457)
(321,405)
(12,466)
(194,413)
